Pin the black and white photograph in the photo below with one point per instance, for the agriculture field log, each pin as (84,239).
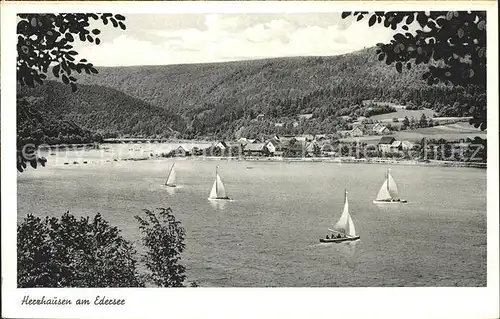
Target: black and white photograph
(264,149)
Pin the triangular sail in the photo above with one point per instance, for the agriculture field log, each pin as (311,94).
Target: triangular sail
(218,189)
(392,187)
(352,231)
(213,192)
(171,177)
(345,221)
(383,193)
(221,190)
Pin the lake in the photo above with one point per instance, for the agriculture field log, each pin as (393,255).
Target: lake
(269,235)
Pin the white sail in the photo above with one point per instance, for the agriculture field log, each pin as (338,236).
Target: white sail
(383,193)
(171,177)
(352,231)
(392,187)
(213,192)
(218,189)
(221,190)
(345,224)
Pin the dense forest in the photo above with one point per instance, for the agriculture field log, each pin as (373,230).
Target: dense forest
(38,124)
(103,110)
(224,99)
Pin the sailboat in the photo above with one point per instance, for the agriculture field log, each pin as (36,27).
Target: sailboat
(171,177)
(344,229)
(388,193)
(218,191)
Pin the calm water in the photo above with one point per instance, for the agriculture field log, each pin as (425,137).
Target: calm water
(269,235)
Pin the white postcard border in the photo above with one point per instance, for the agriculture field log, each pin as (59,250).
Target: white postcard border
(245,302)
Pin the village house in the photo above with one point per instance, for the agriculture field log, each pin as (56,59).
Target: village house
(242,141)
(305,116)
(222,145)
(273,146)
(385,143)
(401,146)
(257,149)
(181,151)
(356,131)
(312,148)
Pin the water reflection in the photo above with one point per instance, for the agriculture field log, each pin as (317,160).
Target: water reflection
(171,190)
(218,204)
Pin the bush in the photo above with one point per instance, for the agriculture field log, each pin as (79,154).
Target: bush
(164,240)
(68,252)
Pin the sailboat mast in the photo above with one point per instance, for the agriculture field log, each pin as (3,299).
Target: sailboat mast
(216,173)
(387,179)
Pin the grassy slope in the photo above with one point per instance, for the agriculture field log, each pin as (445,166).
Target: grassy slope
(447,132)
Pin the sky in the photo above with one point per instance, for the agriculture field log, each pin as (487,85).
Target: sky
(160,39)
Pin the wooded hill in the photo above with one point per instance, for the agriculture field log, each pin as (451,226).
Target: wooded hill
(221,99)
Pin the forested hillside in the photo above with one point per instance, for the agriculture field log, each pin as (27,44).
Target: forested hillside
(225,98)
(37,124)
(105,110)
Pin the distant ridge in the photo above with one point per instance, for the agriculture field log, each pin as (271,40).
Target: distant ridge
(220,99)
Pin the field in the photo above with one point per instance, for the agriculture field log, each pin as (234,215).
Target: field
(401,113)
(448,132)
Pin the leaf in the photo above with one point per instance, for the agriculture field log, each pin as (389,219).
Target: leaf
(410,18)
(33,163)
(94,70)
(82,37)
(372,20)
(408,65)
(69,37)
(96,31)
(121,18)
(73,87)
(449,15)
(122,25)
(381,56)
(344,15)
(359,17)
(405,28)
(56,69)
(34,22)
(72,52)
(460,33)
(90,38)
(399,67)
(65,79)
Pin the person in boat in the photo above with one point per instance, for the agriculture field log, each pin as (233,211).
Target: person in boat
(327,237)
(339,236)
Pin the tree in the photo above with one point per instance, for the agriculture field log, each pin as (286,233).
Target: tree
(45,41)
(451,43)
(406,123)
(163,236)
(67,252)
(423,121)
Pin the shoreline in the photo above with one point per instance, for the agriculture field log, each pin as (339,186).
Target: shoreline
(333,160)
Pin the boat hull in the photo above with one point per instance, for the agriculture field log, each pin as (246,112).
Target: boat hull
(338,240)
(219,198)
(399,201)
(170,185)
